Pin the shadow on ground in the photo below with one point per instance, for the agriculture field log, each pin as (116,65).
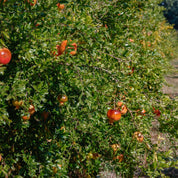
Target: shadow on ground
(171,12)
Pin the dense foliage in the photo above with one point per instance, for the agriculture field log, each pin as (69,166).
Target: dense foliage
(171,11)
(55,94)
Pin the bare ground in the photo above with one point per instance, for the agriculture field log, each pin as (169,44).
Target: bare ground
(172,81)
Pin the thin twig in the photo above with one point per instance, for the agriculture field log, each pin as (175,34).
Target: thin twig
(102,69)
(119,59)
(132,117)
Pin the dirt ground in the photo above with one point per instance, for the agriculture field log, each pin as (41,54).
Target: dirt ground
(172,80)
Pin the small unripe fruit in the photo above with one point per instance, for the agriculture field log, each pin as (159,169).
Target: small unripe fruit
(25,118)
(138,136)
(119,103)
(17,104)
(119,157)
(31,109)
(62,98)
(60,6)
(115,147)
(124,109)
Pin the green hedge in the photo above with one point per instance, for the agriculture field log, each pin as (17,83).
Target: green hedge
(123,49)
